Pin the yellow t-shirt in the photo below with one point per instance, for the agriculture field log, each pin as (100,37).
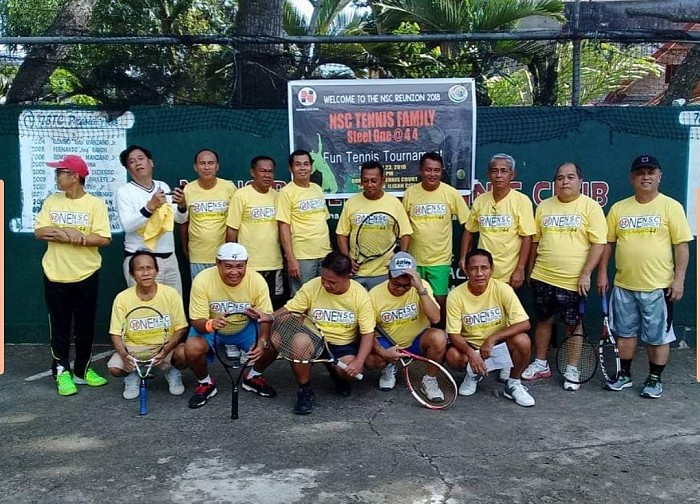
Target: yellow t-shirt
(207,210)
(478,317)
(304,209)
(401,317)
(564,233)
(501,227)
(144,332)
(644,234)
(64,262)
(339,316)
(431,217)
(354,211)
(210,296)
(253,215)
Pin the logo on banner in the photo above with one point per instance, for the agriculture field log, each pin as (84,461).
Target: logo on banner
(307,96)
(458,93)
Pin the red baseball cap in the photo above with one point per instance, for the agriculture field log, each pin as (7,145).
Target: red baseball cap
(72,162)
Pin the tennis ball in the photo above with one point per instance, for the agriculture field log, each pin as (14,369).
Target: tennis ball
(461,174)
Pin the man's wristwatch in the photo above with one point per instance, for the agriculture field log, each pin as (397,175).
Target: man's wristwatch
(423,292)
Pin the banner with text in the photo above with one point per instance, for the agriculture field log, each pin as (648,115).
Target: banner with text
(344,123)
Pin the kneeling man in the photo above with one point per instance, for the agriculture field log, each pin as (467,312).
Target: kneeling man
(482,313)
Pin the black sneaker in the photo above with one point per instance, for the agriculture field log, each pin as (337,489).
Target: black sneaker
(259,386)
(202,393)
(305,401)
(343,388)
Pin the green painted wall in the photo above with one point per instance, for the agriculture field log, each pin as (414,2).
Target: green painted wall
(602,141)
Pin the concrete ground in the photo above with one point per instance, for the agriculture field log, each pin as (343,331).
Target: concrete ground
(375,447)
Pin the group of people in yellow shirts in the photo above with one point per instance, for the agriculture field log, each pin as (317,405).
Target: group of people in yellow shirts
(242,243)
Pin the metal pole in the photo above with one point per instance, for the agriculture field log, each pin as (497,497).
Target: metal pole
(627,36)
(576,60)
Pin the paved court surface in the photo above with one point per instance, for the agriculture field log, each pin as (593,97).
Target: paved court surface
(375,447)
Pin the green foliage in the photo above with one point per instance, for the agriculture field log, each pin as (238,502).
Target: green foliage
(28,17)
(604,68)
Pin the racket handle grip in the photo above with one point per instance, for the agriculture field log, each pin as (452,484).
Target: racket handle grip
(142,398)
(342,365)
(604,303)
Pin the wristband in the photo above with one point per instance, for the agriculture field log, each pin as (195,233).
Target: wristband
(209,325)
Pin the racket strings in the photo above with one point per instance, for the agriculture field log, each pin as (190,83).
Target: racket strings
(376,239)
(295,338)
(422,376)
(235,323)
(577,359)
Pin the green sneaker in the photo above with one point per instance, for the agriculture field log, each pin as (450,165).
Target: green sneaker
(65,384)
(91,378)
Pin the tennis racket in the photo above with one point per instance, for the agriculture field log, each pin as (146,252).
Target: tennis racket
(577,358)
(429,382)
(235,324)
(144,334)
(297,338)
(378,234)
(608,353)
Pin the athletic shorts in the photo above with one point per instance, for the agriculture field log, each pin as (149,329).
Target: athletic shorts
(414,347)
(368,282)
(244,340)
(437,276)
(339,351)
(115,361)
(550,300)
(647,315)
(197,268)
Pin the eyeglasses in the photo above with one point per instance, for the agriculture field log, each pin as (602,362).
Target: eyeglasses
(400,285)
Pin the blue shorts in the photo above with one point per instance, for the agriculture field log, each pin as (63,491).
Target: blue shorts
(245,340)
(414,348)
(339,351)
(645,315)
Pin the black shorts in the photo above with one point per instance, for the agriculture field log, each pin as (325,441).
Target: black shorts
(339,351)
(550,300)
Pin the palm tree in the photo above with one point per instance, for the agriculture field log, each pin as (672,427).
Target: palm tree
(478,60)
(328,17)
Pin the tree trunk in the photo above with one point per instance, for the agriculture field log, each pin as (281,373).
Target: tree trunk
(263,69)
(543,69)
(685,79)
(41,61)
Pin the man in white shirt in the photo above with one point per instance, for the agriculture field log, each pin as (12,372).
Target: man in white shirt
(140,205)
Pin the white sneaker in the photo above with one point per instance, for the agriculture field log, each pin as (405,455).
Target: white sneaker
(387,381)
(536,371)
(504,374)
(174,379)
(431,389)
(574,375)
(131,386)
(468,386)
(518,393)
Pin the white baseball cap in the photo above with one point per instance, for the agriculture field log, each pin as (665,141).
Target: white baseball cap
(399,263)
(232,252)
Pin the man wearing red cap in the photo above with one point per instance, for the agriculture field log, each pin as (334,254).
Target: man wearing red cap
(75,224)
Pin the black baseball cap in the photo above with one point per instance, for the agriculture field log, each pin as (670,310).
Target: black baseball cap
(645,161)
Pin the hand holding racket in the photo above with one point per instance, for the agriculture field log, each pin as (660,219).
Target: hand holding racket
(227,326)
(429,382)
(577,358)
(144,334)
(608,353)
(297,338)
(377,235)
